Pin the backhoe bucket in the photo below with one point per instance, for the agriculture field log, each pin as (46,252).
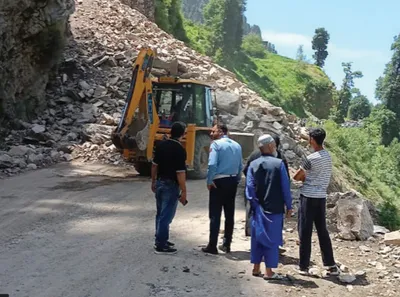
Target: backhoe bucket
(246,140)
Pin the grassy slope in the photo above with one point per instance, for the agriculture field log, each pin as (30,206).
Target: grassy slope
(282,81)
(279,79)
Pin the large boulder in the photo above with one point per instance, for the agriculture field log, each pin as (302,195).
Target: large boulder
(97,134)
(228,102)
(393,238)
(350,212)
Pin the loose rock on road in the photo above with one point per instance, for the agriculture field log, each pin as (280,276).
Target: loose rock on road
(65,233)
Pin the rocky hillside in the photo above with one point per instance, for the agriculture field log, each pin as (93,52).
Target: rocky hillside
(32,39)
(85,99)
(193,9)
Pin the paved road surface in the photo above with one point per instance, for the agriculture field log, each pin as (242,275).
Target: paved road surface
(93,236)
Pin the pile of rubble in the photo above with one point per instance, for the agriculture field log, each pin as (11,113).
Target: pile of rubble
(86,98)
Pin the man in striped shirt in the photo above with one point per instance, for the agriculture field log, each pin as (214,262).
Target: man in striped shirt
(315,173)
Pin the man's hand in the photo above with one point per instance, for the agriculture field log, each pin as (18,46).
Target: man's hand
(182,199)
(153,186)
(289,213)
(209,187)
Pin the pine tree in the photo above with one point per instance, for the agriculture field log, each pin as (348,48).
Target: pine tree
(345,93)
(225,20)
(388,90)
(320,45)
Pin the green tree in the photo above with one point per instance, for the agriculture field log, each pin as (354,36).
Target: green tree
(168,16)
(388,89)
(359,108)
(320,45)
(345,93)
(175,20)
(253,46)
(385,120)
(224,18)
(319,98)
(300,56)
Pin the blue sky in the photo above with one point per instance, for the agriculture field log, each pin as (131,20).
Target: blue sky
(360,32)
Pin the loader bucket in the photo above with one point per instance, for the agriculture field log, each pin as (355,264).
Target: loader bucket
(246,140)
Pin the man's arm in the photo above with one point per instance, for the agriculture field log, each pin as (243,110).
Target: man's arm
(212,164)
(286,164)
(287,196)
(181,172)
(250,185)
(154,169)
(300,174)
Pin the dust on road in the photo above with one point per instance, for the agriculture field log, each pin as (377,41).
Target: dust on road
(64,233)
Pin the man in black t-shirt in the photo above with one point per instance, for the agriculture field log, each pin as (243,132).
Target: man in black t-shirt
(168,176)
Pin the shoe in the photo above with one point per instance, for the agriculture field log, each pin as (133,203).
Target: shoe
(282,250)
(301,271)
(170,244)
(333,271)
(209,250)
(165,251)
(224,248)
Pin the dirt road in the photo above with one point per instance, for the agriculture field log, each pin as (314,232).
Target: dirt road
(62,234)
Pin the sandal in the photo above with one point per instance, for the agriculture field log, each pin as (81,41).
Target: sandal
(275,276)
(258,274)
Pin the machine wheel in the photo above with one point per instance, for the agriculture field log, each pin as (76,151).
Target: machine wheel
(200,161)
(144,168)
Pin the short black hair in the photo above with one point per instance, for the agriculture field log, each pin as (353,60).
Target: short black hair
(178,129)
(223,128)
(318,134)
(277,140)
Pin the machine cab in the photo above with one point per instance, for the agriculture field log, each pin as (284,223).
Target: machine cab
(183,100)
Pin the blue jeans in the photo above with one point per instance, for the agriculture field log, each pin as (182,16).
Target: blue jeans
(167,194)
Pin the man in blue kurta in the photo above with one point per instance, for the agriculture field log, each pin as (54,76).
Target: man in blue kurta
(268,191)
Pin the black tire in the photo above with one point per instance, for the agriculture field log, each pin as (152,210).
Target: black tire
(200,160)
(144,168)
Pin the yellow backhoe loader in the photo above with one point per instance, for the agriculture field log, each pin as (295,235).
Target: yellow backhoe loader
(154,103)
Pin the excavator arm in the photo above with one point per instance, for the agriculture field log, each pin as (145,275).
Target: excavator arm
(135,131)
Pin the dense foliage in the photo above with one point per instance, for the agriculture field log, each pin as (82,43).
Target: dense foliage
(320,45)
(169,17)
(345,95)
(388,91)
(359,108)
(373,169)
(224,19)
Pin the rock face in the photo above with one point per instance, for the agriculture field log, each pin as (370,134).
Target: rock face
(193,9)
(86,97)
(33,35)
(146,7)
(351,213)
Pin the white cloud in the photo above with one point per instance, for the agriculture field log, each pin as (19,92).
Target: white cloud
(293,40)
(286,39)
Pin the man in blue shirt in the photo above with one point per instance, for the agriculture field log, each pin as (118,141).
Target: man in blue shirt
(224,174)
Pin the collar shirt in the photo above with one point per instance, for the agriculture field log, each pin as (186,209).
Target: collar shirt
(225,159)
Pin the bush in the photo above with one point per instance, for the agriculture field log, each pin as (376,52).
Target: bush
(389,216)
(253,46)
(375,169)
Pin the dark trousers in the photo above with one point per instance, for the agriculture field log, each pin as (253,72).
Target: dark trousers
(167,194)
(222,197)
(313,211)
